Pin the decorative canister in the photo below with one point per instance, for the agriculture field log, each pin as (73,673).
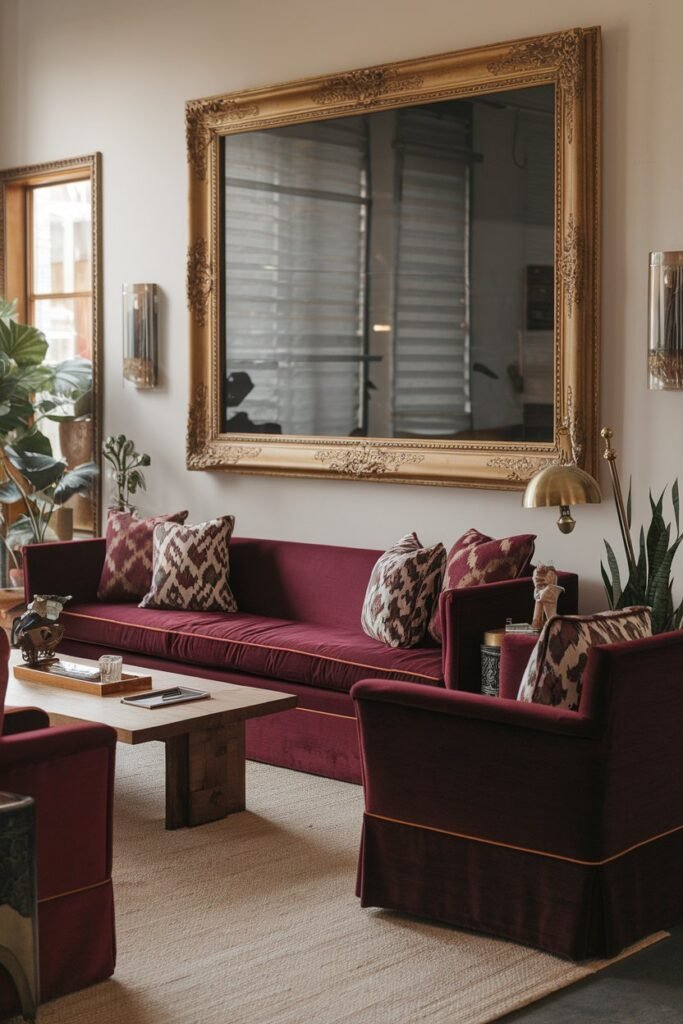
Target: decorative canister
(490,661)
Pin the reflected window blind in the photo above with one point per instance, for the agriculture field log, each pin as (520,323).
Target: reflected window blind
(431,355)
(294,304)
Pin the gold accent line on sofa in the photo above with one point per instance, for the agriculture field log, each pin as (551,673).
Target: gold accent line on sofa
(525,849)
(75,892)
(243,643)
(328,714)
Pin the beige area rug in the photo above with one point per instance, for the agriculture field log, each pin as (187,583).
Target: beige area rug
(253,920)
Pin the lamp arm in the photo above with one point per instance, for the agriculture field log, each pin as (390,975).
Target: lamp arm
(610,456)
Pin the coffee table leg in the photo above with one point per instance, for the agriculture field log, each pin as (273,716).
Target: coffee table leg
(205,777)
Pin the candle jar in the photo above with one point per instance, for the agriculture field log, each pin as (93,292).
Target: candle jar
(665,329)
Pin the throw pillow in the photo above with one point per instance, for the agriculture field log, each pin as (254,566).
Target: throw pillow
(555,670)
(403,587)
(192,567)
(476,558)
(127,570)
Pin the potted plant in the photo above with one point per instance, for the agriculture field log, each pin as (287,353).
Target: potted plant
(32,391)
(43,484)
(127,465)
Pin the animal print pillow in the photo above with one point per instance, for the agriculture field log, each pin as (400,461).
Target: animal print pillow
(554,673)
(192,567)
(403,587)
(476,558)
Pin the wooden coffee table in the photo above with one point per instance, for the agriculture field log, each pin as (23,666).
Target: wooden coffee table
(205,759)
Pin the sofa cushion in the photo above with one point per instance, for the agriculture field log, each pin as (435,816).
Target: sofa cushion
(192,567)
(402,591)
(127,570)
(475,559)
(318,655)
(554,673)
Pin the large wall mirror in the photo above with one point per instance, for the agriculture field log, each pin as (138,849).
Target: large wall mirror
(392,273)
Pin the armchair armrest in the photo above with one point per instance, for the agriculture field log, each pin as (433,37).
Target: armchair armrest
(65,567)
(496,771)
(467,613)
(515,652)
(18,720)
(69,771)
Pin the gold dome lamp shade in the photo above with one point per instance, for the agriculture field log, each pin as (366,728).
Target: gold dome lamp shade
(562,485)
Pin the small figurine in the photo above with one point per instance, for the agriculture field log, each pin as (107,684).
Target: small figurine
(546,594)
(37,633)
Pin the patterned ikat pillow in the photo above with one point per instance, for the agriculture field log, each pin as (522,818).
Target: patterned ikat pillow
(127,570)
(476,558)
(555,670)
(192,567)
(403,587)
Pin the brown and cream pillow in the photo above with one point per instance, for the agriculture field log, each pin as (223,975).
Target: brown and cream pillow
(475,559)
(404,584)
(127,570)
(555,670)
(192,567)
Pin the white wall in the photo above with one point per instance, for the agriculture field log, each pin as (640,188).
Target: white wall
(83,75)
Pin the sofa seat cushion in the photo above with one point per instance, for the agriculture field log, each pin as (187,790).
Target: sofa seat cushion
(332,657)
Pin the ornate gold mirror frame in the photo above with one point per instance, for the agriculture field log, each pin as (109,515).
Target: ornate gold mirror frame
(569,61)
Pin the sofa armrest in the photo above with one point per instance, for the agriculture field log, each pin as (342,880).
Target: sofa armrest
(467,613)
(65,567)
(69,772)
(495,771)
(515,652)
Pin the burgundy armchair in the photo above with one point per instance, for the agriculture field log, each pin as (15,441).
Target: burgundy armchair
(561,830)
(69,772)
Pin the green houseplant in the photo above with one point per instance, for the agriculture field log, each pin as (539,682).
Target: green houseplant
(127,464)
(31,392)
(649,580)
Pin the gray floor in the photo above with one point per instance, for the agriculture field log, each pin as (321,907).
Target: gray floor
(645,989)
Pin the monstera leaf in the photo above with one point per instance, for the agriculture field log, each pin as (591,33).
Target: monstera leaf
(39,470)
(26,345)
(76,481)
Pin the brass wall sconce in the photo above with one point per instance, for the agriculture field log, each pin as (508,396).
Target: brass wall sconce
(665,322)
(140,335)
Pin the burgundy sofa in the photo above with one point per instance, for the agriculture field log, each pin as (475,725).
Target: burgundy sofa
(558,829)
(69,772)
(297,631)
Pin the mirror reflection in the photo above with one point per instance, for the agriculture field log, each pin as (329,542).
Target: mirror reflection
(391,274)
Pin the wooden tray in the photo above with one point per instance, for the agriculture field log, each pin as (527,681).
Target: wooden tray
(129,683)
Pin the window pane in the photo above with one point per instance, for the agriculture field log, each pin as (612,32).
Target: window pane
(67,325)
(61,238)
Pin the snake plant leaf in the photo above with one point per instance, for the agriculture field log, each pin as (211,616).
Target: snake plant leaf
(76,481)
(676,504)
(636,587)
(659,591)
(628,503)
(609,590)
(616,578)
(23,343)
(40,470)
(658,536)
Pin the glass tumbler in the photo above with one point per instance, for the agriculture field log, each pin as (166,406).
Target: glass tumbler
(111,666)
